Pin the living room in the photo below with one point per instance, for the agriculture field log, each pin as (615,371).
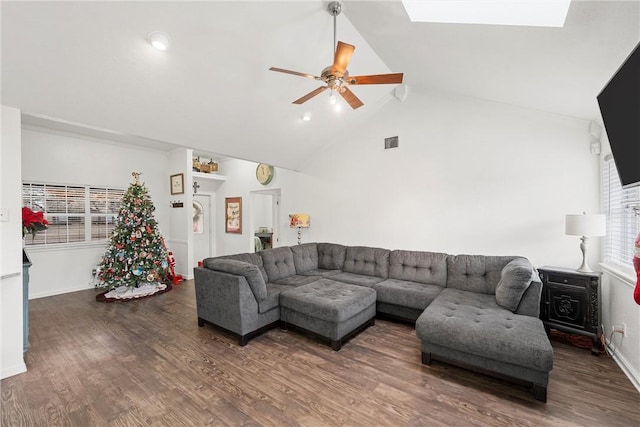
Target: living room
(470,175)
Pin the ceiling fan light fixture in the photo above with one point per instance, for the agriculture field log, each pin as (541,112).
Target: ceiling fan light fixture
(332,98)
(159,40)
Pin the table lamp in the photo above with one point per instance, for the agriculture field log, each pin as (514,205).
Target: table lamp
(300,221)
(584,225)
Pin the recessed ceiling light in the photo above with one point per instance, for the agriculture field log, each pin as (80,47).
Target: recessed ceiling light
(535,13)
(159,40)
(306,117)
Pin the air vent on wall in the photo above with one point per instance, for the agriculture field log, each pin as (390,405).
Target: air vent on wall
(391,142)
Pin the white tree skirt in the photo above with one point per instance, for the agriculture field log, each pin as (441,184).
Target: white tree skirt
(125,292)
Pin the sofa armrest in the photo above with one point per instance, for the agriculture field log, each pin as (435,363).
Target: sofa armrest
(530,302)
(225,300)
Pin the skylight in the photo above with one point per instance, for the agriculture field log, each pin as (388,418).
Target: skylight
(536,13)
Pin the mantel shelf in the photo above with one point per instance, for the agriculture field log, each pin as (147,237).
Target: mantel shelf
(212,176)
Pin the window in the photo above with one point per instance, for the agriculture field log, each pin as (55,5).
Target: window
(622,222)
(75,213)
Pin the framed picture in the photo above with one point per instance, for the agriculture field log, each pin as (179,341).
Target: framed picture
(233,214)
(177,183)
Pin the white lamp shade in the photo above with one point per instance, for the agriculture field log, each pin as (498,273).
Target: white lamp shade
(586,225)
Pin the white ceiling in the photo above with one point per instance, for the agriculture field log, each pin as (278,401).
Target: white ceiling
(88,63)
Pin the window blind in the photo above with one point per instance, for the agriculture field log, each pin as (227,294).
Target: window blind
(75,213)
(622,222)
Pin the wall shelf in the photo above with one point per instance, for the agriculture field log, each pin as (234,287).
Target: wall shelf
(212,176)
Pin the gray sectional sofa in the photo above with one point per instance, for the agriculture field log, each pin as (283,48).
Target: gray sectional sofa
(478,312)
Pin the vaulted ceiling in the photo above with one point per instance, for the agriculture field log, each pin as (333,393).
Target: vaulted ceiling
(88,63)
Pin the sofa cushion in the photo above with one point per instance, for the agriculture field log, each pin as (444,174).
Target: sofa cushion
(297,280)
(406,294)
(356,279)
(254,259)
(278,263)
(416,266)
(305,257)
(320,272)
(331,256)
(474,323)
(475,273)
(250,272)
(514,281)
(367,261)
(273,297)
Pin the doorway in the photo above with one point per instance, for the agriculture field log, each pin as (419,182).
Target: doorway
(202,231)
(265,224)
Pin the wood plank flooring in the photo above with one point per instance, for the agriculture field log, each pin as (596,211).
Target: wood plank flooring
(147,363)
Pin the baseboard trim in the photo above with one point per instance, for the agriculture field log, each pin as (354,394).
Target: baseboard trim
(13,370)
(622,362)
(60,291)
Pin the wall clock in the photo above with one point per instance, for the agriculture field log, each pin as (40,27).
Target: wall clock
(264,173)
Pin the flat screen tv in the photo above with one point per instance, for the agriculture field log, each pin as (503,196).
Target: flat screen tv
(619,104)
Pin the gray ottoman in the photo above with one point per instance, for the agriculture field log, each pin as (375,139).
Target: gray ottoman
(330,309)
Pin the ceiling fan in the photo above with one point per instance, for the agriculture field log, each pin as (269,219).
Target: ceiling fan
(335,76)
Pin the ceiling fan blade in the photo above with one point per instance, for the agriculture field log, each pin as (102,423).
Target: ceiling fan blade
(351,98)
(295,73)
(310,95)
(342,58)
(376,79)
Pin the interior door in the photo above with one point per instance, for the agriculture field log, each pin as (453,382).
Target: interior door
(202,239)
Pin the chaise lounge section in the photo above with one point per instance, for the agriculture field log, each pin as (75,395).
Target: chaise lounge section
(478,312)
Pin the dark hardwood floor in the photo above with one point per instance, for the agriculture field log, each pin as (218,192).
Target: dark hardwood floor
(147,363)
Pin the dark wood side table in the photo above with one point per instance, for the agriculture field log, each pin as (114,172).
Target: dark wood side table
(571,303)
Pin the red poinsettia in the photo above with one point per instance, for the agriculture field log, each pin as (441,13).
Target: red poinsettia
(32,222)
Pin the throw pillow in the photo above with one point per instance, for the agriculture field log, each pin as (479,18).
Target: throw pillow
(515,279)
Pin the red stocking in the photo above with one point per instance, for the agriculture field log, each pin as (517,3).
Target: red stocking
(636,265)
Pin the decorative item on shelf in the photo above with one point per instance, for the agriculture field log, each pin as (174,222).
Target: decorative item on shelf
(196,164)
(203,167)
(300,221)
(209,167)
(233,215)
(177,183)
(592,225)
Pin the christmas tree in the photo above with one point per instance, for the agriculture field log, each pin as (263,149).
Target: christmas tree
(136,255)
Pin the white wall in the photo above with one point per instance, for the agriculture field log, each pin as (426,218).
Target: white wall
(11,323)
(59,158)
(618,307)
(181,238)
(469,177)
